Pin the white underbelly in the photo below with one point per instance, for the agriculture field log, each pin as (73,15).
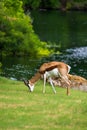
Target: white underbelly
(52,73)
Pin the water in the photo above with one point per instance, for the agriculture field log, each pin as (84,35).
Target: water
(64,31)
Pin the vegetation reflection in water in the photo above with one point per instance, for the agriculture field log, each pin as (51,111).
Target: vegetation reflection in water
(63,29)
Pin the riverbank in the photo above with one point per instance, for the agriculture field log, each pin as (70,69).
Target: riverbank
(70,7)
(21,110)
(63,5)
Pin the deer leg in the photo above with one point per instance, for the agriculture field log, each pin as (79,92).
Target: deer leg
(68,90)
(52,85)
(44,83)
(68,84)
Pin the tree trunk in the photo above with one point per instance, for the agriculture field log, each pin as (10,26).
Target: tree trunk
(63,5)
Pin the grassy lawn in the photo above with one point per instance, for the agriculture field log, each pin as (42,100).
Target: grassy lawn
(22,110)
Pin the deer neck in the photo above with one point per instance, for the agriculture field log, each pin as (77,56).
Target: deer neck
(35,78)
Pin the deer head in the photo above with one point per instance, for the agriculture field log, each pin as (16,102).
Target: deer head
(29,85)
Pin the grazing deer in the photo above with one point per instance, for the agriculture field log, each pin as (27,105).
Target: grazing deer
(49,70)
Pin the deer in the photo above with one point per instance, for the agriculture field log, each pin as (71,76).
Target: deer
(47,71)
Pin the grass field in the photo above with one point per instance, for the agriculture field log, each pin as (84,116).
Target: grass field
(22,110)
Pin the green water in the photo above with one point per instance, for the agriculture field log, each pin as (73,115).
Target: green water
(66,32)
(67,29)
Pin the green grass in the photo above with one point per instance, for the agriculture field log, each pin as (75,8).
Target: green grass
(22,110)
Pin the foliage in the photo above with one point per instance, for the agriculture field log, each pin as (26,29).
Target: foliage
(53,4)
(34,4)
(22,110)
(31,3)
(16,32)
(77,4)
(0,67)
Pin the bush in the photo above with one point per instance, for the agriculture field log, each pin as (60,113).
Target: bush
(16,32)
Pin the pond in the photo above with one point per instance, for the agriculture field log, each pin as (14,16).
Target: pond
(65,29)
(66,32)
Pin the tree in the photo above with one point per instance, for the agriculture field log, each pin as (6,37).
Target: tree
(63,4)
(16,31)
